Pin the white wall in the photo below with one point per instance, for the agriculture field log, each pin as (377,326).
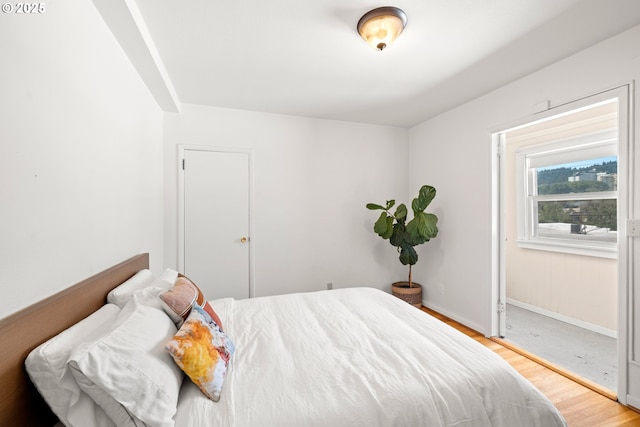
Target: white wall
(312,180)
(453,152)
(80,154)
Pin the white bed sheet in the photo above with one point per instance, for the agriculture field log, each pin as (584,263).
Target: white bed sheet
(358,357)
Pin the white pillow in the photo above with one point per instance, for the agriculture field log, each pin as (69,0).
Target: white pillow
(48,370)
(121,294)
(127,371)
(166,279)
(118,415)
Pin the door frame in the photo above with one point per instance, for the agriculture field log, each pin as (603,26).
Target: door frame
(181,234)
(546,111)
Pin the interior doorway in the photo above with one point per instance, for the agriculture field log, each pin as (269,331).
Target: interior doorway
(214,248)
(557,198)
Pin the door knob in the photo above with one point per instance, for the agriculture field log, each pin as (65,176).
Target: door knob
(243,240)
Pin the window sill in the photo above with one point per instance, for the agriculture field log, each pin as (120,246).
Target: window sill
(566,246)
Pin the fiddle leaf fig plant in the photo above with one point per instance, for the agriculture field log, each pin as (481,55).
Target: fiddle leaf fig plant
(403,235)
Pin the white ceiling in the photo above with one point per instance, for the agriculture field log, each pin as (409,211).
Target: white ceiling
(304,57)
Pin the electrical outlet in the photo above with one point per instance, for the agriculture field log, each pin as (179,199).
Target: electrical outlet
(329,286)
(633,227)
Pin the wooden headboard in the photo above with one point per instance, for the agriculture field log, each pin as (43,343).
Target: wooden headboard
(21,332)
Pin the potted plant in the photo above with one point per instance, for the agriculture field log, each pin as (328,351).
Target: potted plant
(405,236)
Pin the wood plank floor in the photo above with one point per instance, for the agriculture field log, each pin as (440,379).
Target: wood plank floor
(580,406)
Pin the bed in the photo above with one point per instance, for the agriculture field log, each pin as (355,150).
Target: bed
(345,357)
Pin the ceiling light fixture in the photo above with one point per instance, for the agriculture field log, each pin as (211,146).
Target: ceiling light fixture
(380,27)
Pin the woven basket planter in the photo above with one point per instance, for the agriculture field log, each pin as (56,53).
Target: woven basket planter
(411,295)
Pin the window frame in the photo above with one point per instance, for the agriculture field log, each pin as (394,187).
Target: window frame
(573,149)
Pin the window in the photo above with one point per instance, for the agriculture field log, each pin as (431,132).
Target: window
(568,193)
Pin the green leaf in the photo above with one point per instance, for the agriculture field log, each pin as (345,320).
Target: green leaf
(423,225)
(384,225)
(408,255)
(425,196)
(373,206)
(390,204)
(422,228)
(398,235)
(430,227)
(413,235)
(401,212)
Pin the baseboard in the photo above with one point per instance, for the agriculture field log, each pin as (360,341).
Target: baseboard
(633,403)
(453,316)
(570,320)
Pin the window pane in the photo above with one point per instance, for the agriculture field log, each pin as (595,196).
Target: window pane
(594,220)
(579,177)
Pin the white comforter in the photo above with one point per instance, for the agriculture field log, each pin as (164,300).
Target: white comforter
(358,357)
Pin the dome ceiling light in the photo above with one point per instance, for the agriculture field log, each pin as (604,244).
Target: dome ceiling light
(380,27)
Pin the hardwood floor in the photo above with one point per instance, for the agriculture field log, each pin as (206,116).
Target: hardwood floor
(580,406)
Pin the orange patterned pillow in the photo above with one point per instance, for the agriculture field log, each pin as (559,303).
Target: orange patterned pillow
(182,297)
(202,350)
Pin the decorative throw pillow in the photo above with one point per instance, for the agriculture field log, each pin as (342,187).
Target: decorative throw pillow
(202,350)
(178,301)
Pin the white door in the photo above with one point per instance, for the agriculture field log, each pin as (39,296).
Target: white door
(215,248)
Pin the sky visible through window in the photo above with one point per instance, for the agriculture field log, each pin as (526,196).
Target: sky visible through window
(581,164)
